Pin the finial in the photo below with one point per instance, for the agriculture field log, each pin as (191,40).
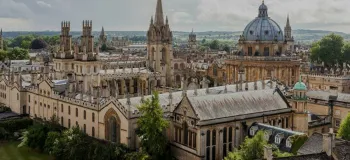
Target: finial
(300,78)
(263,1)
(166,20)
(151,19)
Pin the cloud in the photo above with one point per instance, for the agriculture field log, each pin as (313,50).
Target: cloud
(14,9)
(43,4)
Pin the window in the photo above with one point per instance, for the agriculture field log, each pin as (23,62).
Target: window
(250,51)
(68,123)
(29,98)
(93,132)
(230,139)
(224,142)
(84,114)
(17,96)
(288,143)
(266,51)
(62,108)
(76,112)
(68,110)
(208,145)
(213,143)
(337,122)
(278,139)
(252,130)
(93,117)
(84,128)
(287,122)
(185,129)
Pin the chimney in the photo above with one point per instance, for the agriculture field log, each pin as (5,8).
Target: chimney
(268,153)
(328,142)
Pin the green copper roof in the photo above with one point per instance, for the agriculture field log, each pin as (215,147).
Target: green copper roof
(300,85)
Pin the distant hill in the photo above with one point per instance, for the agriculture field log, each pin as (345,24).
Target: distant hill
(301,35)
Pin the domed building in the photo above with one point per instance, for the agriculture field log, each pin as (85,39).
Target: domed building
(264,37)
(265,51)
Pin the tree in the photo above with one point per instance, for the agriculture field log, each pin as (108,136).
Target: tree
(226,48)
(18,54)
(3,55)
(52,137)
(344,130)
(346,52)
(38,44)
(252,148)
(214,44)
(151,126)
(328,50)
(25,44)
(104,48)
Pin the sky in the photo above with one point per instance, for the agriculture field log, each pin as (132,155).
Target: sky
(201,15)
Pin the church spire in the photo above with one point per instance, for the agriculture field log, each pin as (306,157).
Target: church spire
(288,24)
(103,31)
(159,17)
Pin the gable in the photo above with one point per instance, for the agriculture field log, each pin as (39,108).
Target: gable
(185,108)
(44,85)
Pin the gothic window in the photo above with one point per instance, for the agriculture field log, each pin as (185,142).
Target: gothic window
(76,112)
(289,143)
(68,110)
(224,142)
(182,66)
(93,132)
(29,98)
(113,128)
(230,139)
(84,114)
(62,108)
(213,143)
(176,66)
(185,129)
(208,145)
(287,122)
(93,117)
(250,51)
(164,56)
(266,51)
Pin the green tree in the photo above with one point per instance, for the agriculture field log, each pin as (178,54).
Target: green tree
(52,137)
(18,54)
(346,52)
(344,130)
(252,148)
(152,126)
(35,137)
(215,44)
(3,55)
(328,50)
(104,48)
(226,48)
(38,44)
(25,44)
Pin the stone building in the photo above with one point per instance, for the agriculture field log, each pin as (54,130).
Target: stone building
(160,47)
(265,51)
(192,41)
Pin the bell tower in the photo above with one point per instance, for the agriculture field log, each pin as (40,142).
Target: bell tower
(192,40)
(159,47)
(288,36)
(299,108)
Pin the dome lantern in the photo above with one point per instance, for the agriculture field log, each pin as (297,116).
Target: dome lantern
(300,85)
(263,10)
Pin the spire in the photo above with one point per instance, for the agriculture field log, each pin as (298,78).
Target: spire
(159,18)
(288,24)
(103,31)
(166,20)
(151,20)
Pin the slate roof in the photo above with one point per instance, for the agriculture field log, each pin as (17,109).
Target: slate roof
(342,150)
(317,156)
(324,95)
(210,107)
(312,145)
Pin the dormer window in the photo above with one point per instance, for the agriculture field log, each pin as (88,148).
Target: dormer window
(253,130)
(251,32)
(266,32)
(289,142)
(267,135)
(278,138)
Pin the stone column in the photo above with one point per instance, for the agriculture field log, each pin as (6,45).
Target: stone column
(122,87)
(220,144)
(131,86)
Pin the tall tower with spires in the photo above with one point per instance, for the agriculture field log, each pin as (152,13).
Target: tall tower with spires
(288,36)
(159,47)
(1,40)
(192,40)
(103,38)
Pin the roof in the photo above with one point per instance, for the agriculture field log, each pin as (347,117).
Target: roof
(312,145)
(317,156)
(210,107)
(342,150)
(324,95)
(300,86)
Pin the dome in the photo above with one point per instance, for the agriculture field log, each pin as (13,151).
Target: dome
(300,85)
(263,28)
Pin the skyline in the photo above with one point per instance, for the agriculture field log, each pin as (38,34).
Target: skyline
(201,15)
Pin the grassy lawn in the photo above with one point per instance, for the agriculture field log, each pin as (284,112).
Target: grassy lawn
(10,151)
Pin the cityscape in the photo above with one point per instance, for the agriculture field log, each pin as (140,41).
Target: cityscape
(267,92)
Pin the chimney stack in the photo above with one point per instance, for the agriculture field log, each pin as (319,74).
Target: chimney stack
(268,153)
(328,142)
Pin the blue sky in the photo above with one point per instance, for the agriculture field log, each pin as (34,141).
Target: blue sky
(202,15)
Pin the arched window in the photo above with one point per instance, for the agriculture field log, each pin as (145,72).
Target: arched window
(250,51)
(93,132)
(182,66)
(93,117)
(208,146)
(185,129)
(266,51)
(164,56)
(84,114)
(176,66)
(76,112)
(113,129)
(289,143)
(62,108)
(68,110)
(213,144)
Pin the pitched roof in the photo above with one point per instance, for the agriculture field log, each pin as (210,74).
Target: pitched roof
(313,145)
(210,107)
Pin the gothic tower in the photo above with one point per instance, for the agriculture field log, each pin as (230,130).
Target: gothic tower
(192,40)
(159,47)
(1,40)
(64,57)
(65,38)
(87,43)
(103,38)
(299,108)
(288,36)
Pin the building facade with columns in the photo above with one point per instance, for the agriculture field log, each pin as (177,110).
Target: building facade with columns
(265,51)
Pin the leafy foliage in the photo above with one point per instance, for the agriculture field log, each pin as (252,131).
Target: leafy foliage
(14,125)
(344,130)
(152,124)
(38,44)
(35,137)
(297,142)
(50,141)
(17,54)
(104,48)
(3,55)
(328,50)
(3,133)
